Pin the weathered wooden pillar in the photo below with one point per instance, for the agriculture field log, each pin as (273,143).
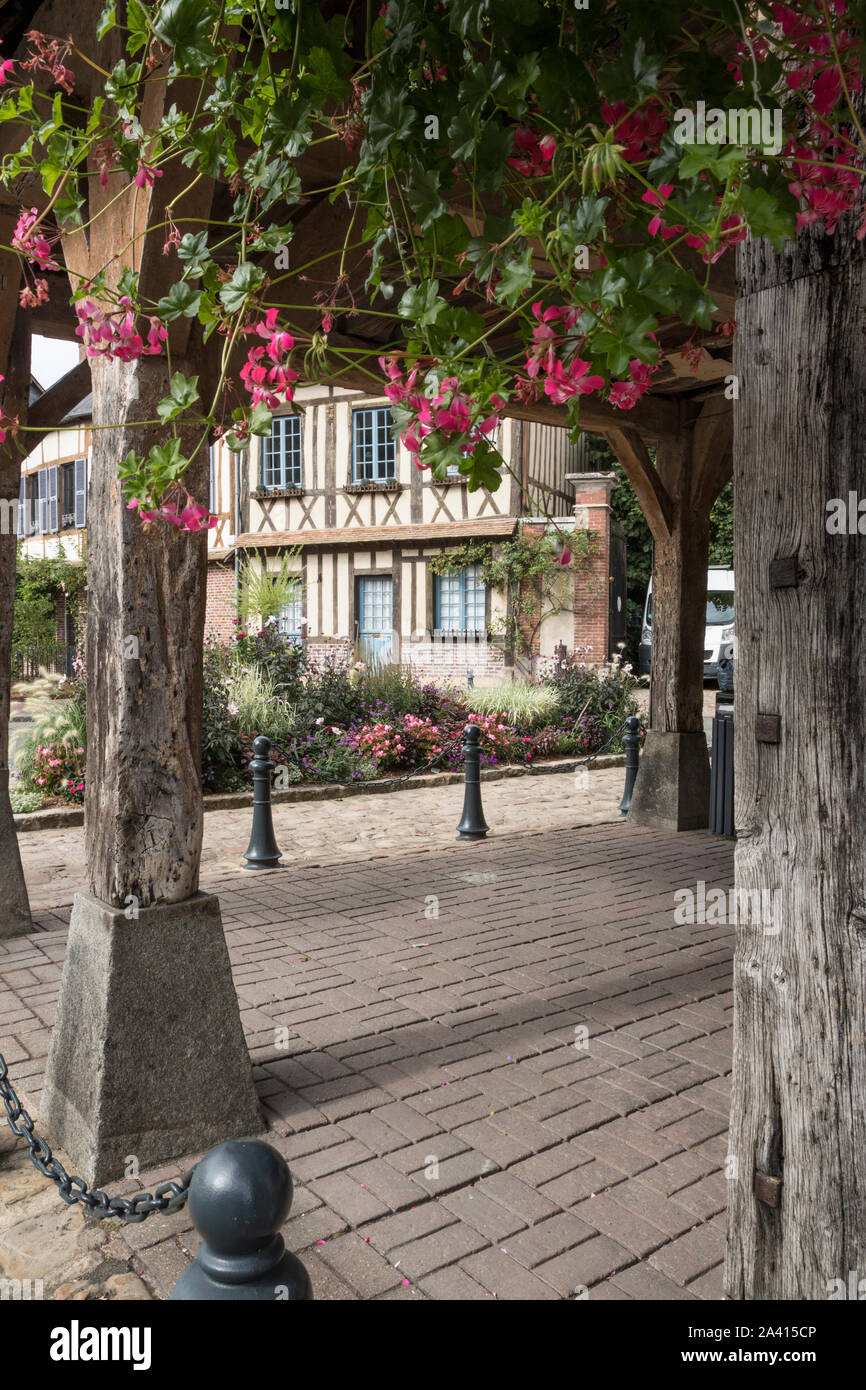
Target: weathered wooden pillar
(797,1164)
(14,903)
(677,493)
(148,1056)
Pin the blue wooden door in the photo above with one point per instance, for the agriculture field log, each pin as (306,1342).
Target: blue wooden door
(375,620)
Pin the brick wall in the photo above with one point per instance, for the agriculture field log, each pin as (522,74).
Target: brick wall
(220,609)
(451,660)
(337,649)
(592,582)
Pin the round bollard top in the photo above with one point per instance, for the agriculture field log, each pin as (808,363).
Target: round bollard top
(261,746)
(472,733)
(240,1195)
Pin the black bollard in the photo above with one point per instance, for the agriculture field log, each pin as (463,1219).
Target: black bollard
(631,742)
(262,850)
(472,825)
(239,1197)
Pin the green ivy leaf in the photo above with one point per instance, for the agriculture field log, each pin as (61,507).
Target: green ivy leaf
(245,280)
(136,23)
(183,392)
(422,304)
(633,75)
(193,252)
(425,197)
(517,276)
(766,217)
(106,20)
(181,299)
(186,26)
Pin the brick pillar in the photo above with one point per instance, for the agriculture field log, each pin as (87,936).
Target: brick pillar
(221,608)
(592,512)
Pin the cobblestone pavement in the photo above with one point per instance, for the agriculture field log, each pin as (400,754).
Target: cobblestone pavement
(350,828)
(524,1097)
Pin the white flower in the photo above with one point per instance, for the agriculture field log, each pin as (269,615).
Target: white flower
(302,622)
(233,709)
(320,720)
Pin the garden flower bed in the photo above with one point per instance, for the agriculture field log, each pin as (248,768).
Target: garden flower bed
(336,721)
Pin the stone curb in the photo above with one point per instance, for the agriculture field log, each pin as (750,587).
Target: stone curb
(57,818)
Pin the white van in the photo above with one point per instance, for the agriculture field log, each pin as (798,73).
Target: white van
(719,620)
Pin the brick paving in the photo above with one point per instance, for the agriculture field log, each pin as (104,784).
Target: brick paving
(522,1097)
(348,828)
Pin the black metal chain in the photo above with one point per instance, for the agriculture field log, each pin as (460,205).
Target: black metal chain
(168,1197)
(393,781)
(613,738)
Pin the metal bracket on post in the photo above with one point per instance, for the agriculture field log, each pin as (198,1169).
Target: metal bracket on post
(631,743)
(262,850)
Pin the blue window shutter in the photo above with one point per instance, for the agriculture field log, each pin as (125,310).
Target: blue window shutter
(81,492)
(53,519)
(42,496)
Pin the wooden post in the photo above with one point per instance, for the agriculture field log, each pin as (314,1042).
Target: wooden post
(676,493)
(797,1149)
(14,903)
(147,1056)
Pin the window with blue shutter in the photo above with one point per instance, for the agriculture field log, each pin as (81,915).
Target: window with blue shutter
(53,509)
(282,461)
(289,620)
(374,455)
(42,494)
(461,601)
(81,492)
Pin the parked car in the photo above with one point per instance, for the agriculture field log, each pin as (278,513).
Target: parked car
(719,622)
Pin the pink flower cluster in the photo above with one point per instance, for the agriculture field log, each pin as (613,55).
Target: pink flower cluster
(733,228)
(425,735)
(114,334)
(562,379)
(59,769)
(626,394)
(640,133)
(449,412)
(381,742)
(266,372)
(826,188)
(533,153)
(29,240)
(48,57)
(498,740)
(192,516)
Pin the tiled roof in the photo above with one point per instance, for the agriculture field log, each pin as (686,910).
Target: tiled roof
(482,528)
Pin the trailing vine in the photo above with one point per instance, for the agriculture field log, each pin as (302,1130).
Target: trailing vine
(531,571)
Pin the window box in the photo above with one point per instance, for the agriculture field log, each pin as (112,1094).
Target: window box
(389,486)
(261,493)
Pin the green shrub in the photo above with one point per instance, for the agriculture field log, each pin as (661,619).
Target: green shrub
(391,686)
(220,743)
(23,800)
(330,692)
(522,704)
(600,697)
